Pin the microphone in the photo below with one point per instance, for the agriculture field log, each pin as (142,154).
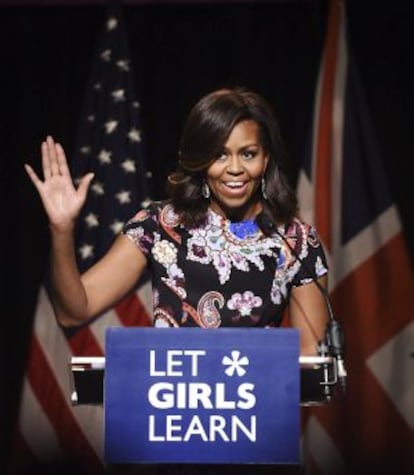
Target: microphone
(333,343)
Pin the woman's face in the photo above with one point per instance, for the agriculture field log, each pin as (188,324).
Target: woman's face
(235,176)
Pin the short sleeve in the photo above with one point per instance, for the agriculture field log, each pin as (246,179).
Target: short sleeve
(142,227)
(313,263)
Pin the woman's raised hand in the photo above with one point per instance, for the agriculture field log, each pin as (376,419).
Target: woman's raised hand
(61,200)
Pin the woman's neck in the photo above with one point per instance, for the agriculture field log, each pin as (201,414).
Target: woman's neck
(247,213)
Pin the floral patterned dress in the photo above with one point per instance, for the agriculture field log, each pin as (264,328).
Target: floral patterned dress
(209,276)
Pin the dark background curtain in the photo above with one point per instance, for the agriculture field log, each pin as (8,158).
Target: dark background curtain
(179,53)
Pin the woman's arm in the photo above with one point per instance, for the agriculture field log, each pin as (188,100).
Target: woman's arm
(308,312)
(75,297)
(78,297)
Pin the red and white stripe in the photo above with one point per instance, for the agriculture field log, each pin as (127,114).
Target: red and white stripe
(50,429)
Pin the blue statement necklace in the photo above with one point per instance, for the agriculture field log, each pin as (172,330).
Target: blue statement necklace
(244,229)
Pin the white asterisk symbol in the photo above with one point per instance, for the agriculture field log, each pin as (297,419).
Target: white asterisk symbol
(235,363)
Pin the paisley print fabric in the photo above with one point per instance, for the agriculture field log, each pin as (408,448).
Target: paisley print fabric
(207,276)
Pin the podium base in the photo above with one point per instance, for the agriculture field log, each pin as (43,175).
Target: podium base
(210,469)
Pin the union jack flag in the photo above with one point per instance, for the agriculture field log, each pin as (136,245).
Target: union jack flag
(109,143)
(343,190)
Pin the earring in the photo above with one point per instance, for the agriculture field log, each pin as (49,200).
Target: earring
(205,191)
(264,194)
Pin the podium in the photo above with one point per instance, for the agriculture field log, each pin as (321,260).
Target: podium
(224,396)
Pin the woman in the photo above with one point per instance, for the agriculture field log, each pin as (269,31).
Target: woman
(225,250)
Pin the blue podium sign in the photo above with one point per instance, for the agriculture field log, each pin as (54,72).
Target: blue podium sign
(202,396)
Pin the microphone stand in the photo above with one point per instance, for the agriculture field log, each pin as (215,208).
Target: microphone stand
(333,343)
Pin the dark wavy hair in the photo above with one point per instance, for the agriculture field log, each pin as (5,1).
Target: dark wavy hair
(205,132)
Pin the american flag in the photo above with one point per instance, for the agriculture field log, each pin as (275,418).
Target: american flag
(343,190)
(109,143)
